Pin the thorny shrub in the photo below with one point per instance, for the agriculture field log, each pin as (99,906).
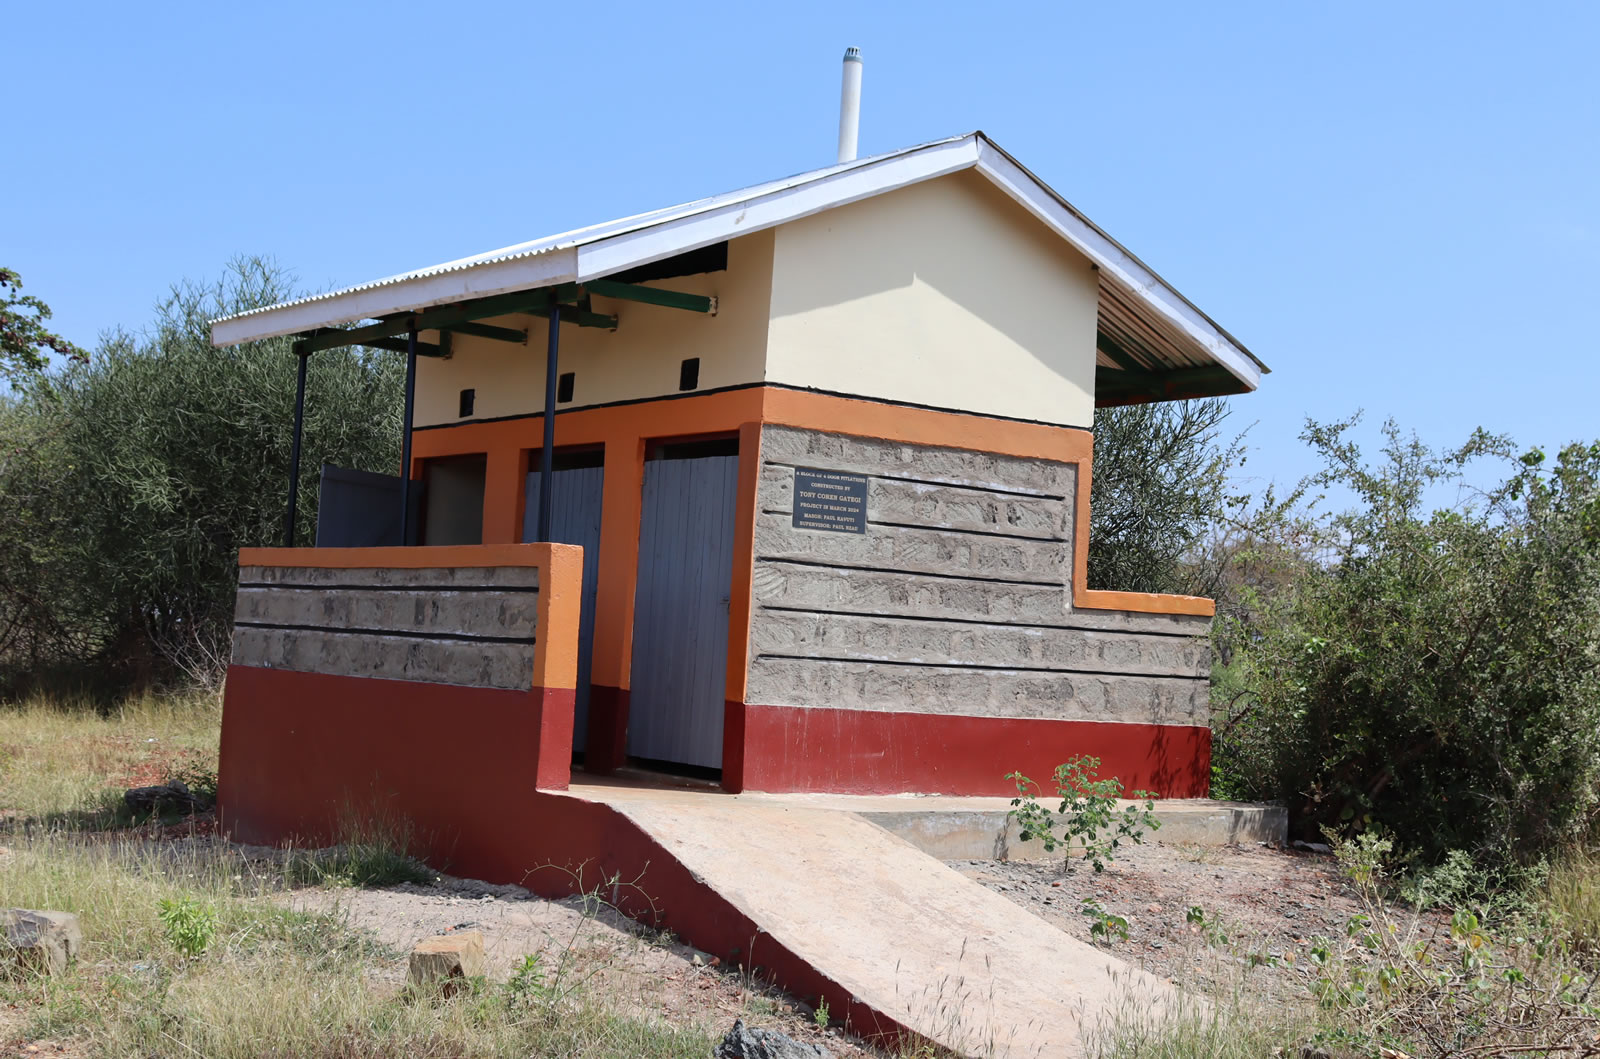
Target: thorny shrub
(1436,674)
(1402,983)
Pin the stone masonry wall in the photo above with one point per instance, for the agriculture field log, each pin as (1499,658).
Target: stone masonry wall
(956,600)
(473,627)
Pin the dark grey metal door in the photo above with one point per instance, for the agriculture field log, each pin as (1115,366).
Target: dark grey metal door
(360,509)
(680,618)
(575,500)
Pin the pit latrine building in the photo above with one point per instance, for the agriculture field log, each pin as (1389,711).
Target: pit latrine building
(825,445)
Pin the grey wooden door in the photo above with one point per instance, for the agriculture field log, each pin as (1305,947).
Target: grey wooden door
(680,617)
(575,499)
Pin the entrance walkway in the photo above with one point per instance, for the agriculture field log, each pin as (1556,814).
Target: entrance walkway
(909,942)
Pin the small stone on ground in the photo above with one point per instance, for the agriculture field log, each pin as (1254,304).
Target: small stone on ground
(444,963)
(743,1042)
(44,941)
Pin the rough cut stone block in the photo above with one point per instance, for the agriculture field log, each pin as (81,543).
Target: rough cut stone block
(444,963)
(745,1042)
(43,941)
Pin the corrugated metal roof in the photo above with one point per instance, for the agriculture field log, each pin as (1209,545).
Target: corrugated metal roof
(1138,309)
(593,233)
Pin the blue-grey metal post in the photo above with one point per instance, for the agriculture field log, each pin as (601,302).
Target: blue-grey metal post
(294,449)
(547,454)
(405,437)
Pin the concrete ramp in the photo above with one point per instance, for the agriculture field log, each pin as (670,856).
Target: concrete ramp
(908,940)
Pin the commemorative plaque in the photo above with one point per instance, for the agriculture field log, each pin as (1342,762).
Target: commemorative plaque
(830,500)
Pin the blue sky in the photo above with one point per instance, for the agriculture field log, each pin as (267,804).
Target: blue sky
(1396,206)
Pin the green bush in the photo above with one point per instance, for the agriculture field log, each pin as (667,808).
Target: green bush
(130,481)
(1435,674)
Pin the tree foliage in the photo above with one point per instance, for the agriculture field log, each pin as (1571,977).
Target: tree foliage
(131,480)
(23,336)
(1160,483)
(1434,673)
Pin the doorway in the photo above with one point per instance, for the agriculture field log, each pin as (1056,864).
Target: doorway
(577,489)
(452,489)
(680,622)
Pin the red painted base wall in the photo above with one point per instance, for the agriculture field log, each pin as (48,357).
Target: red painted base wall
(304,753)
(787,748)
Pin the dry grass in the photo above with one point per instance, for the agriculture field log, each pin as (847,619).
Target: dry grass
(66,764)
(1572,893)
(1242,1024)
(1395,984)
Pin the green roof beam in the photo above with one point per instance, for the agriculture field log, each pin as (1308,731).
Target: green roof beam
(489,331)
(1113,349)
(633,292)
(1113,387)
(446,317)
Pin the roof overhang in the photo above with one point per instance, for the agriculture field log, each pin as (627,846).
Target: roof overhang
(1161,345)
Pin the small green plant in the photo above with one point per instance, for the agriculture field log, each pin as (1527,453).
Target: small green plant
(526,986)
(1103,925)
(1206,927)
(1088,814)
(190,925)
(820,1016)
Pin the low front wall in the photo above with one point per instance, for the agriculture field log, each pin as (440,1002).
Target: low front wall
(428,687)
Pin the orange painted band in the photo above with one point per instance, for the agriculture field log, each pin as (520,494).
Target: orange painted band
(924,426)
(1085,598)
(414,557)
(721,412)
(555,647)
(1143,602)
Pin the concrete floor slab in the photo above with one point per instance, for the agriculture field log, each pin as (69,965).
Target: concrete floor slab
(966,828)
(908,938)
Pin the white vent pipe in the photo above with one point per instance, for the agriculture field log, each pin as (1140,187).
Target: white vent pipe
(850,105)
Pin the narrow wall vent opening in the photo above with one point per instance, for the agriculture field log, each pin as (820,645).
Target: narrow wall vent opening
(564,386)
(468,400)
(689,374)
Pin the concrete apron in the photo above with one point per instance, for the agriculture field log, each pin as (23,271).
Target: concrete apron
(907,939)
(982,829)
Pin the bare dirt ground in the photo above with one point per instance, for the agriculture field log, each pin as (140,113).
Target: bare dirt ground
(581,947)
(1267,903)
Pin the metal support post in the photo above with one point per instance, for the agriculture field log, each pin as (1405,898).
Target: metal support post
(294,449)
(547,454)
(405,437)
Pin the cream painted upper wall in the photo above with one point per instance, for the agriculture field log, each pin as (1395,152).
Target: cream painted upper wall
(639,359)
(945,293)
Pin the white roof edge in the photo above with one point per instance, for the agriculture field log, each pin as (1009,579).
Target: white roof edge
(420,292)
(1116,263)
(603,257)
(602,250)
